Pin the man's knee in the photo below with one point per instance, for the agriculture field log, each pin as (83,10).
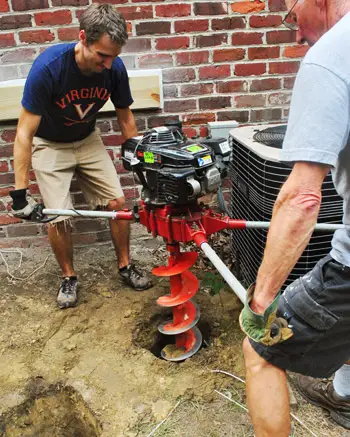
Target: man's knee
(253,361)
(116,204)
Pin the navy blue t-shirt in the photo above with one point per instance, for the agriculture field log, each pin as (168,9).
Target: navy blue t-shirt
(68,100)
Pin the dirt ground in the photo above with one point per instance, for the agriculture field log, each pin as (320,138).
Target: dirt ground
(95,370)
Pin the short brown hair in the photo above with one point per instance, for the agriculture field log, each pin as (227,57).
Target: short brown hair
(99,19)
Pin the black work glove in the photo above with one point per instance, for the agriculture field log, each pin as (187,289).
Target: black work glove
(26,208)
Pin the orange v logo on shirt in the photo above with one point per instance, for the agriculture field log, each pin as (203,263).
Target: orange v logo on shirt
(82,114)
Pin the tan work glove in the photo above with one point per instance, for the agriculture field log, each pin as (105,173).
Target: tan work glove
(264,328)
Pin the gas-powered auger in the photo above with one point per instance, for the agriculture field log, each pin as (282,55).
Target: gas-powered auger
(175,172)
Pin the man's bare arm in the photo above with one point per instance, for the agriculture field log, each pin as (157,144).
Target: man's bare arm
(293,220)
(127,123)
(28,124)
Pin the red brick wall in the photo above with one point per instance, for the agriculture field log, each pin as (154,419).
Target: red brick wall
(227,60)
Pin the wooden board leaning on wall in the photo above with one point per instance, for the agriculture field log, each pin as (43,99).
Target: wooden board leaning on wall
(146,89)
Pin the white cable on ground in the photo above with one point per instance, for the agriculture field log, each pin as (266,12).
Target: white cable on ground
(242,406)
(20,263)
(161,423)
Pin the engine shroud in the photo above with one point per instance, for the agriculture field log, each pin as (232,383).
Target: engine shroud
(173,169)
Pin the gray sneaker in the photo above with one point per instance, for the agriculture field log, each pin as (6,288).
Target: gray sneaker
(68,293)
(135,278)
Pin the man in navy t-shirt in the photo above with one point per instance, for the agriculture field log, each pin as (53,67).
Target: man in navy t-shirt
(66,87)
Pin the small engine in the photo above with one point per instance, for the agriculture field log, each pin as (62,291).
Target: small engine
(175,170)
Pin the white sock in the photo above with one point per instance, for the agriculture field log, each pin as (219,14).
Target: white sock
(341,382)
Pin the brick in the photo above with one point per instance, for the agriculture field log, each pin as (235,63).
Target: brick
(70,2)
(173,43)
(279,99)
(129,61)
(153,28)
(7,178)
(288,82)
(228,23)
(210,8)
(295,51)
(265,84)
(22,230)
(53,18)
(15,21)
(192,58)
(136,12)
(5,191)
(190,132)
(277,5)
(68,34)
(148,1)
(191,26)
(283,67)
(159,120)
(170,91)
(127,180)
(265,21)
(203,131)
(34,189)
(28,5)
(250,69)
(214,102)
(4,6)
(196,89)
(248,7)
(231,86)
(257,115)
(263,52)
(112,2)
(137,45)
(84,239)
(18,55)
(89,225)
(180,105)
(112,140)
(250,101)
(8,135)
(23,70)
(240,116)
(4,167)
(215,39)
(178,75)
(200,118)
(8,72)
(36,36)
(246,38)
(7,40)
(79,199)
(155,60)
(7,220)
(173,10)
(280,36)
(214,71)
(225,55)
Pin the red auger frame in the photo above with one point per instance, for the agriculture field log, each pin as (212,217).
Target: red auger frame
(182,224)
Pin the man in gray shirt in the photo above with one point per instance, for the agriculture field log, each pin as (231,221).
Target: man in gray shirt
(307,329)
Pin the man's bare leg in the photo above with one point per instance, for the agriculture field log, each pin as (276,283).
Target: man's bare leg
(120,232)
(60,237)
(267,395)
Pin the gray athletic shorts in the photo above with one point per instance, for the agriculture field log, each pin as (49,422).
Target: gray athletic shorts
(55,164)
(317,306)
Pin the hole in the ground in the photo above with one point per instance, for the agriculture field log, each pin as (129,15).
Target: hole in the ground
(54,411)
(147,336)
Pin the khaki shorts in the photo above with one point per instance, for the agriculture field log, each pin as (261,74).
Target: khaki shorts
(55,164)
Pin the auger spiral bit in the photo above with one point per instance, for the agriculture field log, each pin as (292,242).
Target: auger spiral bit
(183,286)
